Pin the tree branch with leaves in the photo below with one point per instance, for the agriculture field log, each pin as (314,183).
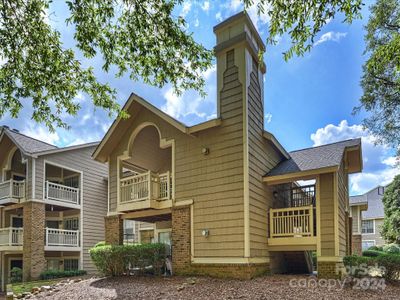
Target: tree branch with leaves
(141,38)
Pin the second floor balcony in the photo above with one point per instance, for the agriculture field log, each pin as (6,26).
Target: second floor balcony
(146,190)
(62,194)
(11,239)
(294,225)
(62,240)
(12,191)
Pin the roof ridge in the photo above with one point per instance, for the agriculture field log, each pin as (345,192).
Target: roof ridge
(27,136)
(313,147)
(67,148)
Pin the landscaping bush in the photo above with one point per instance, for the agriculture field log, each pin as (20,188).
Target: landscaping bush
(15,275)
(372,253)
(377,248)
(51,274)
(115,260)
(391,263)
(102,243)
(392,248)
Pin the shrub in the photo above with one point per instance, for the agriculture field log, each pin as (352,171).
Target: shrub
(391,263)
(392,248)
(372,253)
(115,260)
(51,274)
(15,275)
(377,248)
(102,243)
(357,265)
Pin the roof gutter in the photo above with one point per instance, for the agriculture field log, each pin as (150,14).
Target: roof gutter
(301,175)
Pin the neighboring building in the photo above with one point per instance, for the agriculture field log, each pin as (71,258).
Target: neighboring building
(369,226)
(52,205)
(358,204)
(225,193)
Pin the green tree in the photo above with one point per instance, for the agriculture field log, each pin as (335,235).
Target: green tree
(303,20)
(381,73)
(138,37)
(391,203)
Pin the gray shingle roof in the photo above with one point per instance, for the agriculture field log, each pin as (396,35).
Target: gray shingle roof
(27,144)
(375,205)
(329,155)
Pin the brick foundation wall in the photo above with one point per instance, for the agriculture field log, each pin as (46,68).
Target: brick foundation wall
(238,271)
(356,244)
(181,239)
(114,230)
(328,269)
(33,249)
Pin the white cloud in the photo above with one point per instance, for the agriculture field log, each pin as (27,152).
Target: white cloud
(330,36)
(41,133)
(268,118)
(196,23)
(234,6)
(218,16)
(206,6)
(186,7)
(378,160)
(189,103)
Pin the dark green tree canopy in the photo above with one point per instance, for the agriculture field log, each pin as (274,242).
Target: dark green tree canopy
(381,79)
(391,203)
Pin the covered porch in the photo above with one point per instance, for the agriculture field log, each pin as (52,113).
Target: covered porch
(145,175)
(293,219)
(62,186)
(12,186)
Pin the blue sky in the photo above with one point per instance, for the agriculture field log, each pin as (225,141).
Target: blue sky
(308,100)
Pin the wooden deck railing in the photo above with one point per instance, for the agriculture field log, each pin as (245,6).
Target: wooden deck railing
(12,189)
(63,193)
(292,222)
(11,236)
(62,237)
(145,186)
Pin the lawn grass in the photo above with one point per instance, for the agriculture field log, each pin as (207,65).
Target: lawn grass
(19,288)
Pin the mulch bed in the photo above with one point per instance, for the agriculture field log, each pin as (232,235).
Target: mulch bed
(193,288)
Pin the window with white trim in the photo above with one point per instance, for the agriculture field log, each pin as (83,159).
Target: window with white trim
(367,226)
(53,264)
(71,264)
(367,244)
(71,224)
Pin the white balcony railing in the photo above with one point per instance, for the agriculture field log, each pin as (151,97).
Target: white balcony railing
(146,186)
(292,222)
(12,189)
(63,193)
(62,237)
(11,236)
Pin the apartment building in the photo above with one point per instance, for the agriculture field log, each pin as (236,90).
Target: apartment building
(367,225)
(225,193)
(52,205)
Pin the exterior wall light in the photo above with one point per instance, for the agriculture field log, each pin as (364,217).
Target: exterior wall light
(205,232)
(205,151)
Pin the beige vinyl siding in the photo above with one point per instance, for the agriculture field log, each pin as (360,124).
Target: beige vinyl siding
(94,193)
(343,203)
(215,181)
(262,158)
(327,215)
(355,213)
(377,235)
